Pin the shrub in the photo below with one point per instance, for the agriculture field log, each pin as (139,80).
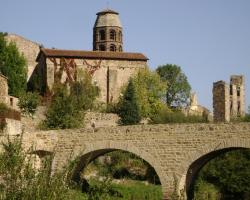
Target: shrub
(19,179)
(28,102)
(85,92)
(175,116)
(3,111)
(64,111)
(206,191)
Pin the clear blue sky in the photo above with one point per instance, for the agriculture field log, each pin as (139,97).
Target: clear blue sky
(209,39)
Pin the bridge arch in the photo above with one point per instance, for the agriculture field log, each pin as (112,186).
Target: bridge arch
(203,155)
(96,149)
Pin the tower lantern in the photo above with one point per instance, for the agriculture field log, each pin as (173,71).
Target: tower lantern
(107,32)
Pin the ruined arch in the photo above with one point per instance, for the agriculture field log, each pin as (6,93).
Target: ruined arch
(200,157)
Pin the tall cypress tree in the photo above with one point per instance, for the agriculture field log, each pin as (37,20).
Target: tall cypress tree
(129,109)
(13,66)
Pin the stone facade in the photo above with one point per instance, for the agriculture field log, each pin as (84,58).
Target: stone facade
(172,150)
(110,71)
(221,102)
(229,100)
(28,48)
(195,109)
(10,101)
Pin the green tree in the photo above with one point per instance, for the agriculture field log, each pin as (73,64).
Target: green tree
(150,91)
(63,111)
(85,92)
(13,66)
(129,111)
(230,173)
(178,88)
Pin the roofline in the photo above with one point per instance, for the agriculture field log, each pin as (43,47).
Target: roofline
(103,12)
(104,57)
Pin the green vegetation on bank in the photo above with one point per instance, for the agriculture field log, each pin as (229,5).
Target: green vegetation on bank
(225,177)
(13,66)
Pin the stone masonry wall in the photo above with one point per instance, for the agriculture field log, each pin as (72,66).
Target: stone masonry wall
(109,75)
(170,149)
(221,102)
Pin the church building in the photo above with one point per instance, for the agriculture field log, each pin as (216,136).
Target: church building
(108,64)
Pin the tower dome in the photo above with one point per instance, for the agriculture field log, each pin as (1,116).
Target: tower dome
(107,31)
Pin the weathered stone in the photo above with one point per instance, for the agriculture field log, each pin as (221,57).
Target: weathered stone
(173,150)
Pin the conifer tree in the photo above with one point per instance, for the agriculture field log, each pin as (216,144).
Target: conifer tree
(129,109)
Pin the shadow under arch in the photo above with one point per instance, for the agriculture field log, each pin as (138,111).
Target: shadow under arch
(96,150)
(198,164)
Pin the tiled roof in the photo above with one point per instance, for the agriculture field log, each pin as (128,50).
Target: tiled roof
(92,54)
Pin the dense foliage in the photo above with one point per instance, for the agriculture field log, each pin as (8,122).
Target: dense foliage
(85,92)
(68,106)
(19,179)
(142,97)
(129,112)
(63,112)
(229,173)
(167,115)
(28,102)
(149,90)
(13,66)
(178,89)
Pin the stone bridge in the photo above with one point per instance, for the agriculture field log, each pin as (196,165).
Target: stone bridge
(178,150)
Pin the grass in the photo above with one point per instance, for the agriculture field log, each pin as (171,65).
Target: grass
(128,190)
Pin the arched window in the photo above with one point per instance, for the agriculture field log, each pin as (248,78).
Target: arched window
(102,47)
(112,47)
(120,48)
(120,35)
(102,34)
(112,35)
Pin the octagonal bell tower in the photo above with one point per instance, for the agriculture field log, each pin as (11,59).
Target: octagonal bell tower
(107,32)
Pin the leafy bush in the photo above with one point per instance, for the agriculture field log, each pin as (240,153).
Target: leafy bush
(28,102)
(19,179)
(206,191)
(169,116)
(3,111)
(85,92)
(64,111)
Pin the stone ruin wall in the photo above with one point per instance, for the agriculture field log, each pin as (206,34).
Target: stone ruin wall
(229,100)
(10,101)
(112,74)
(221,101)
(28,48)
(237,98)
